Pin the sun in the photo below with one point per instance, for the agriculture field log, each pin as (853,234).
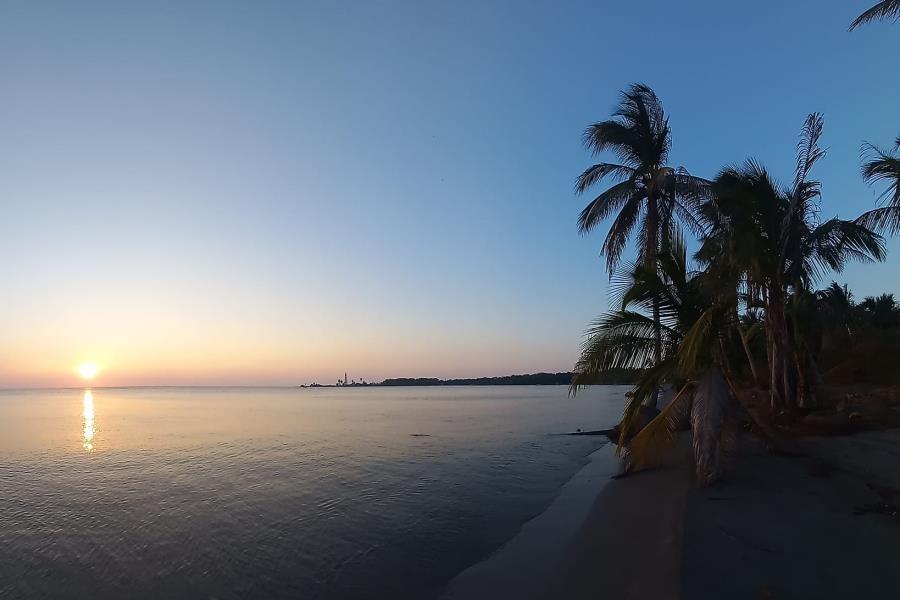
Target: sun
(88,370)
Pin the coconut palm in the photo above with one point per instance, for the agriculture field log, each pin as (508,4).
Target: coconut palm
(883,165)
(837,310)
(887,9)
(692,317)
(882,311)
(648,195)
(771,241)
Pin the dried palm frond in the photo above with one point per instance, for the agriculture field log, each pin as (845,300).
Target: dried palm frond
(658,436)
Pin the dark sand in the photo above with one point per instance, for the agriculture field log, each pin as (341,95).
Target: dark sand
(776,528)
(630,545)
(785,527)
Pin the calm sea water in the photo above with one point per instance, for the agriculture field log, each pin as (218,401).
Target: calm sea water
(276,493)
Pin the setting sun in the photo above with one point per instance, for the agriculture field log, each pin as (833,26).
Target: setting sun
(88,370)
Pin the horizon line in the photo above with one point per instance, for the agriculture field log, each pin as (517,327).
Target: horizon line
(258,386)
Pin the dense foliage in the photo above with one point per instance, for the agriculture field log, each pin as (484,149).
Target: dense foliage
(745,312)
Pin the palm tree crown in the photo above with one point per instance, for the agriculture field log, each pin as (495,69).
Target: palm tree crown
(883,165)
(647,191)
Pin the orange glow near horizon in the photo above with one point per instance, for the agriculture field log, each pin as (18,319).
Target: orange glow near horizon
(126,351)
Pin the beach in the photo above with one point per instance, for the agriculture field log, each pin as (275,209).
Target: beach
(806,526)
(814,524)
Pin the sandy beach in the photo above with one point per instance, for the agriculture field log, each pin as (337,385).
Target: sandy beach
(808,526)
(817,524)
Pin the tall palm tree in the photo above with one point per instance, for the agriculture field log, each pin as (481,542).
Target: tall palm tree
(886,9)
(648,194)
(883,165)
(771,240)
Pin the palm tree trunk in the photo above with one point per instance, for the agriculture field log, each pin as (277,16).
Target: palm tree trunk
(780,361)
(802,387)
(762,421)
(745,343)
(817,384)
(651,256)
(790,384)
(811,388)
(774,356)
(657,346)
(774,372)
(711,396)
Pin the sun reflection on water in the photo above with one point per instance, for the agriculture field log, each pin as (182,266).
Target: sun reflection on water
(87,416)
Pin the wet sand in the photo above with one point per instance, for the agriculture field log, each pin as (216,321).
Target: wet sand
(598,539)
(630,545)
(529,560)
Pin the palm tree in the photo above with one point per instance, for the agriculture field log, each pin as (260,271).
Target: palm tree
(886,9)
(837,310)
(770,240)
(883,165)
(693,360)
(648,194)
(882,311)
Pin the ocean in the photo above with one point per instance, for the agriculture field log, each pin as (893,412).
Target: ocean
(328,493)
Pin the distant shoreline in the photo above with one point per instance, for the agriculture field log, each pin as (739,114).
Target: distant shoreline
(562,378)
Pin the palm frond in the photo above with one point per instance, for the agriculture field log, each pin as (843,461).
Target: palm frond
(645,388)
(658,436)
(808,150)
(621,340)
(881,165)
(803,192)
(885,219)
(642,110)
(617,237)
(613,135)
(885,10)
(632,409)
(596,173)
(835,242)
(695,342)
(605,204)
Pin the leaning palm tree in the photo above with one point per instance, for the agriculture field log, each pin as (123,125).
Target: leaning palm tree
(648,195)
(886,9)
(693,358)
(883,165)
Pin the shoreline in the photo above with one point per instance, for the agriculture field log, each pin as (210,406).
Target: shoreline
(531,557)
(630,546)
(823,523)
(569,550)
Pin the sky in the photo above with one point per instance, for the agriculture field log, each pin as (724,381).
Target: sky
(279,192)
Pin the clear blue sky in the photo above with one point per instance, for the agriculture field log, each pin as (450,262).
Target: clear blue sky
(266,192)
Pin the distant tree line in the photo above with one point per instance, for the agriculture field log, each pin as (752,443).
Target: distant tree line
(621,376)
